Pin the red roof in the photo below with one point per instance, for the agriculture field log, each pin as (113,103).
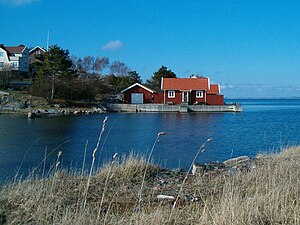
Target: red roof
(15,49)
(185,84)
(214,89)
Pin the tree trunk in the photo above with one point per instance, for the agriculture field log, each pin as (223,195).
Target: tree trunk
(52,89)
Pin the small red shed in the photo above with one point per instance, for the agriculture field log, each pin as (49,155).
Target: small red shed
(140,94)
(213,95)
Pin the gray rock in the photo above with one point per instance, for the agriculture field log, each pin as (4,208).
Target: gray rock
(4,93)
(236,161)
(14,105)
(165,197)
(207,167)
(232,171)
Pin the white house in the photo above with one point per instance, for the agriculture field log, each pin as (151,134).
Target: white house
(15,56)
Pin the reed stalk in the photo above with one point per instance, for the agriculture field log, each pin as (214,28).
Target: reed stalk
(93,161)
(146,167)
(106,184)
(200,150)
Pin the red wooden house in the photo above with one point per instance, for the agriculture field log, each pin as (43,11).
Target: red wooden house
(191,91)
(140,94)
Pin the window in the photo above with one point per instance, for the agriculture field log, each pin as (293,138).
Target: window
(1,54)
(171,94)
(199,94)
(1,64)
(15,64)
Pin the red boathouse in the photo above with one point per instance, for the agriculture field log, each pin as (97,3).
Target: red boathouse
(140,94)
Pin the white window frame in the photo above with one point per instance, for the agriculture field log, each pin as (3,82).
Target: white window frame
(171,94)
(199,94)
(14,64)
(187,96)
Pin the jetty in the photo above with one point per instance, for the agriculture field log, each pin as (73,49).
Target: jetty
(173,108)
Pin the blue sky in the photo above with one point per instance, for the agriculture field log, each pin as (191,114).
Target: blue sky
(252,48)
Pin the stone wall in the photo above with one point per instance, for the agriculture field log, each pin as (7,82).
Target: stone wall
(172,108)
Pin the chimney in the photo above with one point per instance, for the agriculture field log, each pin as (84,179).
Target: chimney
(1,45)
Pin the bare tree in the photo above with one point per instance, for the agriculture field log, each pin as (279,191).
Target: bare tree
(118,68)
(73,58)
(79,64)
(87,63)
(5,74)
(100,63)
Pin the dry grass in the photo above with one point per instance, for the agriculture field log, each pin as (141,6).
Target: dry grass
(269,194)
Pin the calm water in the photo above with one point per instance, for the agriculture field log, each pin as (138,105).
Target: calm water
(264,125)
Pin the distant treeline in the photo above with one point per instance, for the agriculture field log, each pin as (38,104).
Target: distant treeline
(61,76)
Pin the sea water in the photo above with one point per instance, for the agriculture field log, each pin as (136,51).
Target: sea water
(263,126)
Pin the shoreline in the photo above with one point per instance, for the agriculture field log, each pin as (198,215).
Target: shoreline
(39,112)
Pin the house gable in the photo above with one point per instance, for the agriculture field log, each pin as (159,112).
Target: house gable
(3,57)
(17,56)
(137,84)
(37,54)
(37,48)
(214,89)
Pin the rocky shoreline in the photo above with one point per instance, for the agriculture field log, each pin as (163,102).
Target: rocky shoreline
(9,104)
(64,111)
(166,182)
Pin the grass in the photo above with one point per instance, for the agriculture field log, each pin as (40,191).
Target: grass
(268,194)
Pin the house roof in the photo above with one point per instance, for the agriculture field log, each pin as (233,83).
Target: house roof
(185,84)
(15,49)
(214,89)
(37,47)
(137,84)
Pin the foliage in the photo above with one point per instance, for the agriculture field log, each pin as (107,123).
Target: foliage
(5,75)
(121,82)
(61,76)
(55,69)
(87,63)
(86,88)
(41,86)
(74,59)
(134,77)
(79,65)
(100,64)
(118,69)
(33,68)
(155,81)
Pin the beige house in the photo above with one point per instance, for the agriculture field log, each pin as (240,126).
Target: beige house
(14,57)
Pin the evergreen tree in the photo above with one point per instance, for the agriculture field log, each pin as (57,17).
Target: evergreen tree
(134,77)
(155,81)
(57,66)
